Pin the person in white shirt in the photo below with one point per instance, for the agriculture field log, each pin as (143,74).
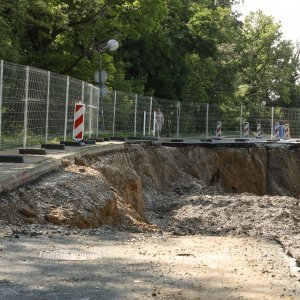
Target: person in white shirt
(159,122)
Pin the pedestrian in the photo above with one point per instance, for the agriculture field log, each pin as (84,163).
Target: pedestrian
(159,121)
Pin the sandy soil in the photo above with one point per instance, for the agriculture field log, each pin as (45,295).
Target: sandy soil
(141,266)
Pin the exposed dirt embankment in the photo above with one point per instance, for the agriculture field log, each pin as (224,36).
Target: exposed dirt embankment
(111,188)
(259,170)
(283,172)
(233,170)
(179,190)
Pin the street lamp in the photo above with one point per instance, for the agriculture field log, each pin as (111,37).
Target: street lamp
(112,45)
(101,75)
(273,96)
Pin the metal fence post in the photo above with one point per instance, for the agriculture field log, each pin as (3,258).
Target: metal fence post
(272,123)
(97,115)
(178,118)
(26,107)
(241,122)
(1,97)
(114,114)
(82,92)
(135,115)
(154,123)
(144,124)
(47,108)
(66,108)
(150,116)
(206,123)
(91,107)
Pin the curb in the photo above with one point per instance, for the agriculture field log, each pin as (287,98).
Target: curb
(11,159)
(30,171)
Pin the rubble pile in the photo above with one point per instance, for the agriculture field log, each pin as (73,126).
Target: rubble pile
(181,191)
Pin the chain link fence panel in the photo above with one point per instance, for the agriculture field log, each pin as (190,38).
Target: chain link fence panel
(38,106)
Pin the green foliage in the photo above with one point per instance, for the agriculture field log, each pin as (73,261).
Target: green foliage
(195,51)
(267,63)
(12,21)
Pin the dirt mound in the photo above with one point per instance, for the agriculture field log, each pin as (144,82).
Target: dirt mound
(78,196)
(181,190)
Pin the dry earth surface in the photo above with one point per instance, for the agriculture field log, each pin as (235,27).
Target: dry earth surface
(156,223)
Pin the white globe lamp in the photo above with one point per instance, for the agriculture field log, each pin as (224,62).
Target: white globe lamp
(112,45)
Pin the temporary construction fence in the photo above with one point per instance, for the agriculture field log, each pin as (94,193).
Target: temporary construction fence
(37,106)
(133,115)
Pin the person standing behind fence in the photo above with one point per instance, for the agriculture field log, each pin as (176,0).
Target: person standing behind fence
(159,121)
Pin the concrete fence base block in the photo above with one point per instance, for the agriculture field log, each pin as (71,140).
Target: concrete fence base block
(176,140)
(116,138)
(53,146)
(11,159)
(134,138)
(74,144)
(32,151)
(107,139)
(89,142)
(141,138)
(99,140)
(206,140)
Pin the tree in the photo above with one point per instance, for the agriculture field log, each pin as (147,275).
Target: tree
(157,56)
(177,60)
(12,22)
(185,50)
(267,63)
(214,62)
(62,34)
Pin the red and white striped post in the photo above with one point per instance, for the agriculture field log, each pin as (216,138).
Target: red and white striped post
(276,130)
(78,128)
(219,129)
(258,130)
(286,131)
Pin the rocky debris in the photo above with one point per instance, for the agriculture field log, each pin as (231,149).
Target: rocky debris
(182,191)
(215,213)
(80,161)
(66,163)
(69,198)
(27,212)
(56,216)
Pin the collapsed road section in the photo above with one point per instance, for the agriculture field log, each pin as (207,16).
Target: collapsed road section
(188,191)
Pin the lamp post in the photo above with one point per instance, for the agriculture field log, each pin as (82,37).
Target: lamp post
(274,97)
(101,75)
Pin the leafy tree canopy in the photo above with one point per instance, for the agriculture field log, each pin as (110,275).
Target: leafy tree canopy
(186,50)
